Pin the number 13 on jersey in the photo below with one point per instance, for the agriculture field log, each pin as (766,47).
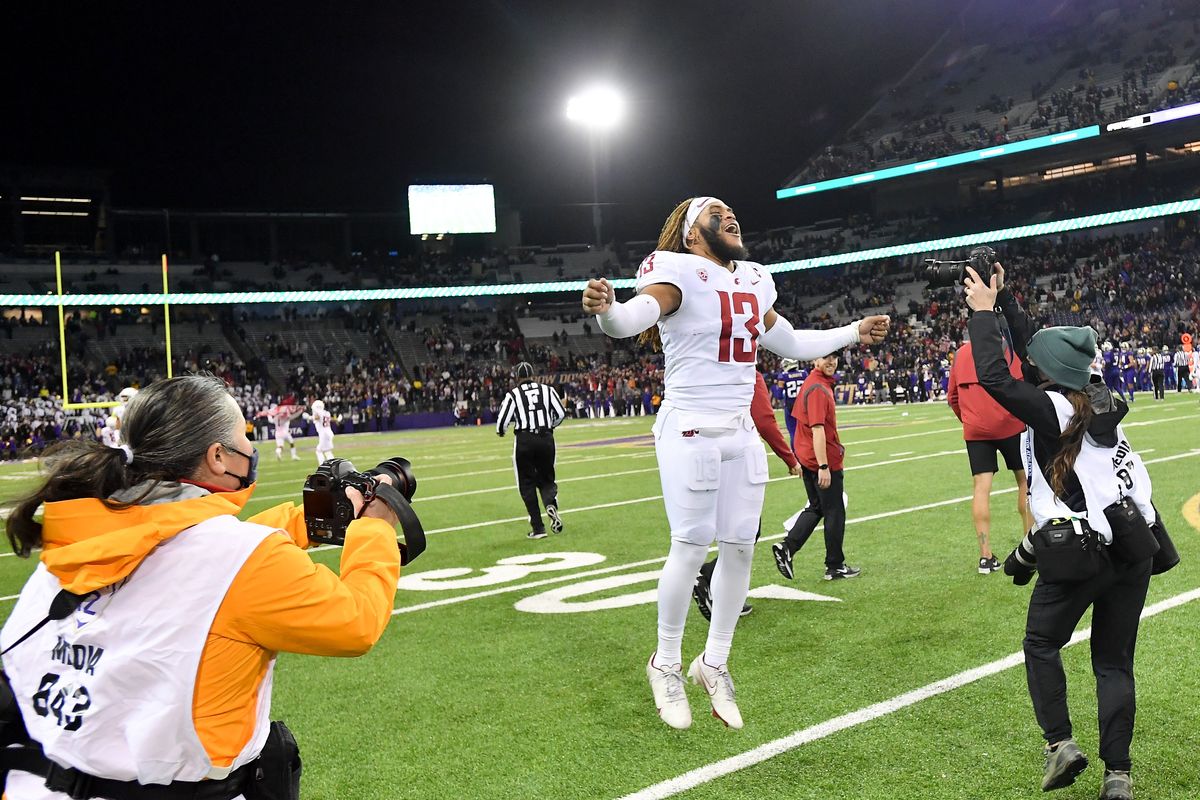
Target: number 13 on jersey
(737,345)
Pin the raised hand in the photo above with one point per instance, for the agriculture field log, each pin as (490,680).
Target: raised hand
(598,296)
(980,296)
(874,329)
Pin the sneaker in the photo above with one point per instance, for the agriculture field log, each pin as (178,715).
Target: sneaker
(667,685)
(988,565)
(719,685)
(783,560)
(555,519)
(746,609)
(702,593)
(1063,765)
(1117,786)
(536,535)
(844,571)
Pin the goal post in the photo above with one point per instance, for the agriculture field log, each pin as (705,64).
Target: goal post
(62,336)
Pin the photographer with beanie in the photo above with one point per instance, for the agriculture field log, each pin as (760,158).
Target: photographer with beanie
(141,650)
(1081,473)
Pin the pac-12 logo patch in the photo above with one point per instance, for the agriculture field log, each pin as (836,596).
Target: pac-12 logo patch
(702,274)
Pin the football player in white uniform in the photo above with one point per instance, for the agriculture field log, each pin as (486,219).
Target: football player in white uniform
(110,434)
(281,417)
(123,397)
(711,310)
(322,420)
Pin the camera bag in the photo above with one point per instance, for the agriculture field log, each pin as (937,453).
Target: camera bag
(1067,551)
(1132,539)
(276,771)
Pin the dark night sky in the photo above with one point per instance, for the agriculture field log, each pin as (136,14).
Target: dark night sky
(331,106)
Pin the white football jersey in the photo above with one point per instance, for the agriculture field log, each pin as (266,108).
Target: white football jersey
(110,437)
(710,343)
(322,421)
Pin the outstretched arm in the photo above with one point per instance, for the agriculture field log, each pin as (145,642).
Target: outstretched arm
(780,337)
(620,320)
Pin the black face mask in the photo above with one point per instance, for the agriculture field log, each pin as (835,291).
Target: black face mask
(245,481)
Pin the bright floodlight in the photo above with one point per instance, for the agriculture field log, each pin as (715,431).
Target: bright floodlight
(599,108)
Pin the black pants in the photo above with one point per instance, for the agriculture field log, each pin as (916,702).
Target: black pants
(1160,393)
(534,459)
(1116,596)
(1183,379)
(824,504)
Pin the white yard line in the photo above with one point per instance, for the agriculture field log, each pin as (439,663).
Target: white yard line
(902,453)
(769,750)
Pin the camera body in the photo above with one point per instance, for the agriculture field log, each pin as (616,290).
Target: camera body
(328,512)
(943,274)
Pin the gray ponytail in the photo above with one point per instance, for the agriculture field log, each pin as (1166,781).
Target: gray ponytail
(169,426)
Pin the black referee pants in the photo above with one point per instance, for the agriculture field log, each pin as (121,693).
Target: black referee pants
(533,456)
(1160,392)
(1116,596)
(826,504)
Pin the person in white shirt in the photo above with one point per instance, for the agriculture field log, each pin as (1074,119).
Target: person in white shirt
(710,310)
(110,434)
(322,420)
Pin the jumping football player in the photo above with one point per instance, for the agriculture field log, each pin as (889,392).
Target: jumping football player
(710,310)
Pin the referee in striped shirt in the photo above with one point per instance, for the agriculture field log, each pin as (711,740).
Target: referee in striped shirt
(536,410)
(1158,363)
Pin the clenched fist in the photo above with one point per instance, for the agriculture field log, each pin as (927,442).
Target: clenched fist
(599,296)
(874,329)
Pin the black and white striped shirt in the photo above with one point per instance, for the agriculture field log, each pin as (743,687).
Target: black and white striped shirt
(1158,361)
(531,406)
(1181,358)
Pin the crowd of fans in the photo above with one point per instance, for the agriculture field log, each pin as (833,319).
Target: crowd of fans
(1136,290)
(927,130)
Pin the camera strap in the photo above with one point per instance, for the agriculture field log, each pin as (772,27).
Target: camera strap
(414,535)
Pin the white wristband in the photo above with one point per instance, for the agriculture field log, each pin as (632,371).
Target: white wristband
(629,319)
(788,342)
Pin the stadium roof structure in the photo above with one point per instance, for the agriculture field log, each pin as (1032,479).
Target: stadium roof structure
(1143,134)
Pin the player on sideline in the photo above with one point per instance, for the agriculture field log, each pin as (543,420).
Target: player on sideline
(712,310)
(322,420)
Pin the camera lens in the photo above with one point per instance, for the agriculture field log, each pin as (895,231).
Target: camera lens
(400,471)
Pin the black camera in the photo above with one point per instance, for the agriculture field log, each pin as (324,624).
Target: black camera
(943,274)
(328,511)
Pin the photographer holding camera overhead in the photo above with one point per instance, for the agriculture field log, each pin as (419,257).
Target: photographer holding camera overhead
(140,652)
(1095,538)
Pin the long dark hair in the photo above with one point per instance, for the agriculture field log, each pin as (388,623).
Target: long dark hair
(169,426)
(1070,441)
(670,239)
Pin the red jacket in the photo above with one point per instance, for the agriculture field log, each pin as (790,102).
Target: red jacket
(982,417)
(815,406)
(764,419)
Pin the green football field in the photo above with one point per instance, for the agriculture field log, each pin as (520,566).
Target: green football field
(515,668)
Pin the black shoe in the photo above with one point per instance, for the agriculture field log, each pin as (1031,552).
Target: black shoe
(783,559)
(1063,765)
(988,565)
(1117,786)
(555,519)
(746,609)
(844,571)
(702,593)
(536,535)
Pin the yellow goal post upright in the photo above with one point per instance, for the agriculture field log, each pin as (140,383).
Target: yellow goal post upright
(62,336)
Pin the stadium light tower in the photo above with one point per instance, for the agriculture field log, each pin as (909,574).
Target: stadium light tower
(600,110)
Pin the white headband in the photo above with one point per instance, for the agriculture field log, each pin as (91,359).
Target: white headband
(693,213)
(128,453)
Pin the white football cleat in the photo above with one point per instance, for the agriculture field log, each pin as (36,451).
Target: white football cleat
(719,685)
(669,696)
